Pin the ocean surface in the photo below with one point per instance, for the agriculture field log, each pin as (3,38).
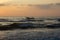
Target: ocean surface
(5,20)
(30,34)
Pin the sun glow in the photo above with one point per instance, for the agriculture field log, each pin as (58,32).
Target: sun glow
(28,8)
(4,1)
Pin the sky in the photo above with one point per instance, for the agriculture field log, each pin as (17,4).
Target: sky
(30,1)
(29,8)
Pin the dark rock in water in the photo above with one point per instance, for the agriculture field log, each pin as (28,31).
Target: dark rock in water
(22,25)
(5,28)
(58,19)
(16,26)
(53,26)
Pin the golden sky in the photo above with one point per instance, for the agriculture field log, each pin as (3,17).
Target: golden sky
(30,1)
(25,10)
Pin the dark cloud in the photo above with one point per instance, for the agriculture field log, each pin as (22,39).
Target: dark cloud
(47,6)
(43,6)
(58,4)
(2,4)
(40,6)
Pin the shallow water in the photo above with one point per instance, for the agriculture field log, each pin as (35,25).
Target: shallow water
(30,34)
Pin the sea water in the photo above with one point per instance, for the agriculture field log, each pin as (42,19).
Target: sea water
(28,34)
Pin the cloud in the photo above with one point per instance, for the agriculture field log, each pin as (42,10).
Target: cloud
(47,6)
(58,4)
(38,6)
(2,4)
